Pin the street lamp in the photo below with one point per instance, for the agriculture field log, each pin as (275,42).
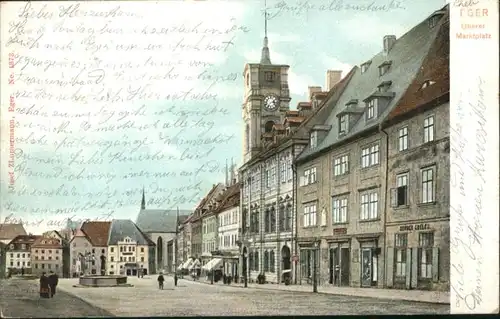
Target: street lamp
(315,274)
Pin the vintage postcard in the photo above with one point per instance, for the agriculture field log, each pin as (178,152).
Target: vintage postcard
(249,158)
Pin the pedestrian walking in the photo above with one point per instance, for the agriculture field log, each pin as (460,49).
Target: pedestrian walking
(161,279)
(53,281)
(44,286)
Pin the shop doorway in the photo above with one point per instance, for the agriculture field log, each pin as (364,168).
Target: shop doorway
(339,266)
(366,267)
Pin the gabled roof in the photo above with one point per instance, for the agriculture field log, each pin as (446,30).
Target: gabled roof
(230,198)
(160,220)
(121,228)
(24,239)
(407,55)
(435,68)
(97,232)
(10,231)
(198,212)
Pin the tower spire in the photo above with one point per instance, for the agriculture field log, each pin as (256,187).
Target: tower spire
(265,56)
(226,182)
(143,202)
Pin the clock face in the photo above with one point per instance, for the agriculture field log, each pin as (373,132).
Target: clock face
(271,102)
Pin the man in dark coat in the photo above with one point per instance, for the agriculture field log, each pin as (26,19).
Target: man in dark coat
(161,279)
(53,281)
(44,286)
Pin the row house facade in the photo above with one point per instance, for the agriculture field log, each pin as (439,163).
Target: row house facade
(18,254)
(88,248)
(228,214)
(130,251)
(350,231)
(47,256)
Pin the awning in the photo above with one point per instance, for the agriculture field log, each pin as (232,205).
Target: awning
(186,264)
(214,263)
(195,264)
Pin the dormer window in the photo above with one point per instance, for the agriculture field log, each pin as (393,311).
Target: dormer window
(384,86)
(313,139)
(427,84)
(364,66)
(433,21)
(372,108)
(343,124)
(384,67)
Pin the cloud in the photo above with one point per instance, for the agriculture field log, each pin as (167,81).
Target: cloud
(332,63)
(283,38)
(371,33)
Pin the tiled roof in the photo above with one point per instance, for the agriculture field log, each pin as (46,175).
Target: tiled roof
(279,127)
(407,55)
(9,231)
(295,119)
(435,68)
(230,197)
(199,209)
(24,239)
(305,105)
(47,242)
(160,220)
(292,113)
(97,232)
(121,228)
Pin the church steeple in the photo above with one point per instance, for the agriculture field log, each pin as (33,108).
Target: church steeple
(265,57)
(143,202)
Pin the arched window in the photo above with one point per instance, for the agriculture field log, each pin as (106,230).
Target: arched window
(268,126)
(266,221)
(271,261)
(266,261)
(282,218)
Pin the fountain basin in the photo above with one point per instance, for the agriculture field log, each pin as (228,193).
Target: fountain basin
(103,281)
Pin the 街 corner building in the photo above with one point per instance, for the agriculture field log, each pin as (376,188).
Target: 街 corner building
(373,191)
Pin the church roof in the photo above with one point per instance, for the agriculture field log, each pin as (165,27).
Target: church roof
(407,55)
(160,220)
(97,232)
(121,228)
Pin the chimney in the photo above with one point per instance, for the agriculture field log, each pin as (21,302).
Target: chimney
(313,89)
(389,41)
(332,77)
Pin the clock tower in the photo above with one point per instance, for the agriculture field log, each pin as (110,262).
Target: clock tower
(266,98)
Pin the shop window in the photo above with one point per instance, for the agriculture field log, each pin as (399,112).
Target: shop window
(425,243)
(401,243)
(266,261)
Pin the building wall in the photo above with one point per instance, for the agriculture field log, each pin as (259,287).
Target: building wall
(19,258)
(165,238)
(79,245)
(279,195)
(46,260)
(131,253)
(414,217)
(196,239)
(354,234)
(209,237)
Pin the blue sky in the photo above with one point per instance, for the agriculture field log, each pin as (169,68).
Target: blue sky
(310,41)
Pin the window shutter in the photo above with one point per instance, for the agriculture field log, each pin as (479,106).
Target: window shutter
(394,197)
(408,267)
(390,267)
(414,268)
(435,264)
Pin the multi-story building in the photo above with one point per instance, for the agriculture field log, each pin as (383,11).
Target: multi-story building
(46,256)
(342,172)
(228,214)
(271,142)
(209,232)
(63,238)
(418,192)
(130,251)
(18,254)
(88,248)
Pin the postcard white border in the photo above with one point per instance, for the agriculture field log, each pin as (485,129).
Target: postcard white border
(474,138)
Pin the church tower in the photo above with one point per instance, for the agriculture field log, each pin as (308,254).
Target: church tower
(266,98)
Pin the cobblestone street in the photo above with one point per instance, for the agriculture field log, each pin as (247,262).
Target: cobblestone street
(20,298)
(199,299)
